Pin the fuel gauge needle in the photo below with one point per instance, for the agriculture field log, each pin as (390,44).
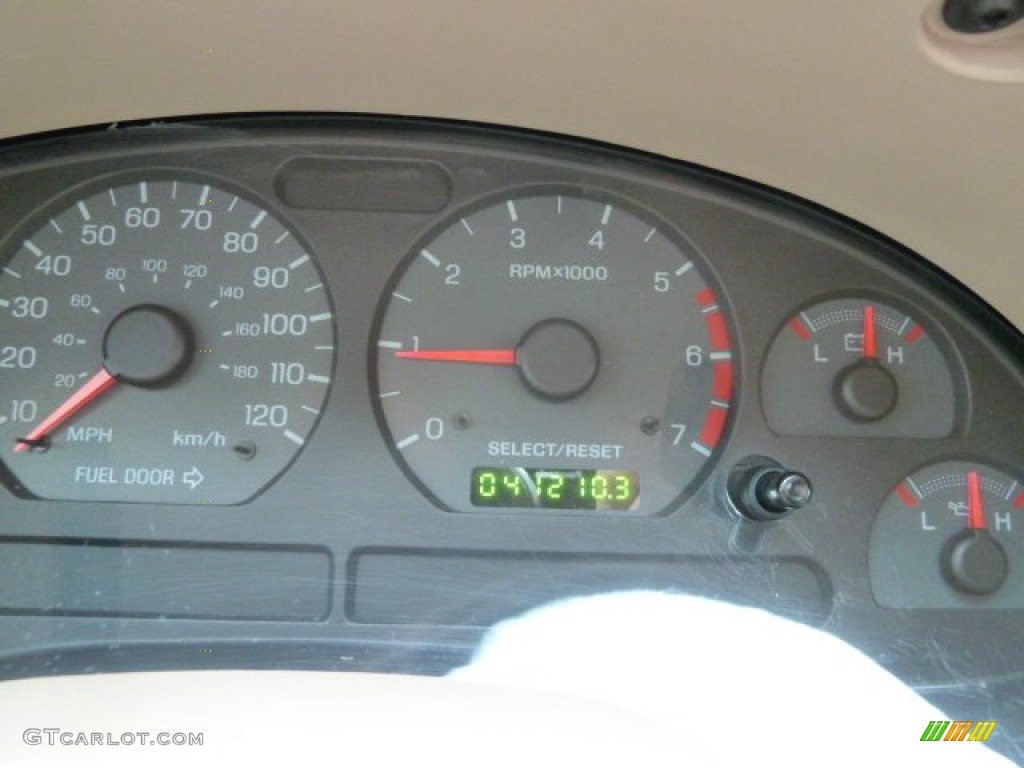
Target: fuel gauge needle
(975,511)
(479,356)
(102,381)
(870,334)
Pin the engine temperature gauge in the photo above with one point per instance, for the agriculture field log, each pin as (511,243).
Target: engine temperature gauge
(857,368)
(947,537)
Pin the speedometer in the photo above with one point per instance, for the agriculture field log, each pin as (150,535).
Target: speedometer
(554,353)
(169,341)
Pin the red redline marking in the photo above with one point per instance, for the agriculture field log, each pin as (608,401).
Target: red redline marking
(724,376)
(914,334)
(718,331)
(908,497)
(713,427)
(706,297)
(797,326)
(1019,501)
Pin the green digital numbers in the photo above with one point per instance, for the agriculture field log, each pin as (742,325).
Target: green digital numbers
(486,485)
(571,489)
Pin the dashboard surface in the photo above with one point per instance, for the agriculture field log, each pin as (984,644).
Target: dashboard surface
(627,372)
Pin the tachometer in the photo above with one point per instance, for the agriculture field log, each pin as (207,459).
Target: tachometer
(170,341)
(557,353)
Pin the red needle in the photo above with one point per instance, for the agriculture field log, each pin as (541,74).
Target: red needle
(92,389)
(975,512)
(870,339)
(484,356)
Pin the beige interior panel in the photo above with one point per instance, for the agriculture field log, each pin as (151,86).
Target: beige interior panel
(308,718)
(834,101)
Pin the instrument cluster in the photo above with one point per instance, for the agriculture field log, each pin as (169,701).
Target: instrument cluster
(372,385)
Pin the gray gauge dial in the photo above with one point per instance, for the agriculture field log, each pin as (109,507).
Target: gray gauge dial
(857,368)
(169,341)
(555,354)
(948,536)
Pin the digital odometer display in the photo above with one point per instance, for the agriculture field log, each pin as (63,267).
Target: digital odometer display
(554,488)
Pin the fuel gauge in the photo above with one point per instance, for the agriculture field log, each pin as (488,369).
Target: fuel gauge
(857,368)
(947,537)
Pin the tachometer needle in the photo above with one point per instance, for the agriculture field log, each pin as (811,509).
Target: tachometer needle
(87,393)
(870,336)
(480,356)
(975,511)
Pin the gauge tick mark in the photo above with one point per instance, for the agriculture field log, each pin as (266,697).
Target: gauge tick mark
(403,444)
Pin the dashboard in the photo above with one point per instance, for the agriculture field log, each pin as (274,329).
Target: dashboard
(341,393)
(431,314)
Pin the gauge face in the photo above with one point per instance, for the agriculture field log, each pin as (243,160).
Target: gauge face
(554,354)
(857,368)
(168,341)
(948,536)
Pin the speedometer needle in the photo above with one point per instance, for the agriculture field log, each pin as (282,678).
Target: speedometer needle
(975,512)
(480,356)
(87,393)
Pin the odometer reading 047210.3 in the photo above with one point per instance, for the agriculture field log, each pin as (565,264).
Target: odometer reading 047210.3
(554,331)
(169,341)
(607,489)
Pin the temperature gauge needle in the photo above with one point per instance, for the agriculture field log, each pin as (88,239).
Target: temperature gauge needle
(870,335)
(87,393)
(975,511)
(479,356)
